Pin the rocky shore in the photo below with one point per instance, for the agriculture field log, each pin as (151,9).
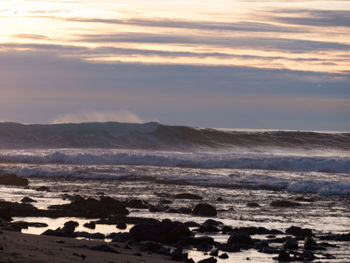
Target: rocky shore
(151,239)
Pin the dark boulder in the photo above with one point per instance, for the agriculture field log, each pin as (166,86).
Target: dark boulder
(90,225)
(253,204)
(27,200)
(137,203)
(120,237)
(164,232)
(310,243)
(9,209)
(291,243)
(204,210)
(43,189)
(12,179)
(121,226)
(299,232)
(284,256)
(240,240)
(91,208)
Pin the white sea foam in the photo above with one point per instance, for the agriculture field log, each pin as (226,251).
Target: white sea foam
(232,160)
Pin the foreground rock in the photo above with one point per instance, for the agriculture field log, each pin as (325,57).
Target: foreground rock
(12,179)
(90,208)
(204,210)
(165,232)
(188,196)
(10,209)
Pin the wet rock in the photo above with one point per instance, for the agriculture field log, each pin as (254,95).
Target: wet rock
(68,228)
(240,240)
(208,228)
(203,243)
(12,179)
(257,230)
(188,196)
(284,204)
(43,188)
(150,246)
(299,232)
(223,256)
(137,203)
(185,210)
(310,243)
(120,237)
(157,208)
(51,232)
(219,199)
(208,260)
(306,256)
(284,256)
(178,255)
(121,226)
(253,204)
(91,208)
(204,209)
(164,232)
(90,225)
(336,237)
(27,200)
(89,235)
(9,209)
(214,252)
(291,243)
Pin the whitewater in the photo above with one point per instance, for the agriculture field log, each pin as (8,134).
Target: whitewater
(295,161)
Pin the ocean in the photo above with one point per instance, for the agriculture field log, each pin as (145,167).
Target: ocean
(228,168)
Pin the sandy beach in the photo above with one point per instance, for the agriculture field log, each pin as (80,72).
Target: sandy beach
(16,247)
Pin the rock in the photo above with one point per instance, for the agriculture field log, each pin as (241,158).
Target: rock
(188,196)
(240,240)
(208,228)
(307,256)
(137,203)
(202,243)
(177,255)
(252,204)
(12,179)
(90,225)
(208,260)
(165,202)
(89,235)
(214,252)
(121,237)
(43,188)
(291,243)
(219,199)
(336,237)
(51,232)
(185,210)
(164,232)
(204,209)
(310,243)
(284,204)
(157,208)
(223,256)
(90,208)
(9,209)
(68,228)
(283,256)
(150,246)
(27,200)
(121,226)
(299,232)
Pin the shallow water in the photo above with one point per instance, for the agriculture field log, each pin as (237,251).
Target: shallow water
(325,214)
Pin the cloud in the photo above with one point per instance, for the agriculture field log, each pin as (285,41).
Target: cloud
(98,116)
(244,26)
(261,43)
(31,36)
(310,17)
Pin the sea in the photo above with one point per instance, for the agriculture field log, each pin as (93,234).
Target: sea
(229,168)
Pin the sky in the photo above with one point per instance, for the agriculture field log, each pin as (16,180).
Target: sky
(227,64)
